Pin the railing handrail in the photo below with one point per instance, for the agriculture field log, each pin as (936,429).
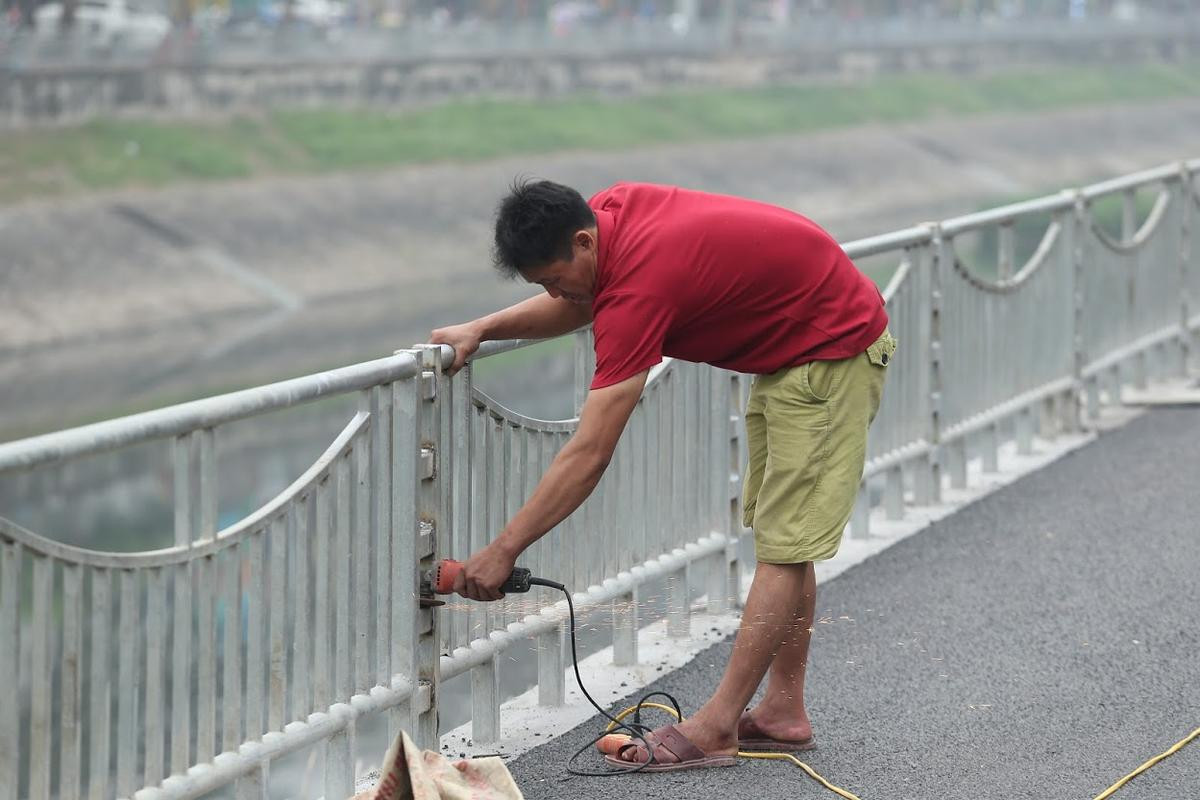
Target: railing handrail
(194,415)
(874,245)
(1164,174)
(1001,215)
(208,412)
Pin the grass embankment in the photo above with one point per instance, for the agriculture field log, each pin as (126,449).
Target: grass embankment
(112,153)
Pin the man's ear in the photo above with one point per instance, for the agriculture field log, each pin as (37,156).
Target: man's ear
(585,239)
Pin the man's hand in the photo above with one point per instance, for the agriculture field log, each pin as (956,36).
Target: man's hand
(484,573)
(463,338)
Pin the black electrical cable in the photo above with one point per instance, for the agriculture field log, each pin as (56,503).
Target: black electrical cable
(636,729)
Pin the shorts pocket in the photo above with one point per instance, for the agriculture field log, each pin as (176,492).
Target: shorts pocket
(881,352)
(821,379)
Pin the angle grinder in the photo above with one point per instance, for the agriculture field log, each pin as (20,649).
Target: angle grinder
(440,580)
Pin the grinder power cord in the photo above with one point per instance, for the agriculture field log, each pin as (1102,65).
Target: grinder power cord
(440,580)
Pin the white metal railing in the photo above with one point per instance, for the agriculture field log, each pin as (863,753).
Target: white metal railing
(419,39)
(171,673)
(175,672)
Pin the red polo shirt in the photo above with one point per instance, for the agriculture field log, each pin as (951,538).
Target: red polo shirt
(735,283)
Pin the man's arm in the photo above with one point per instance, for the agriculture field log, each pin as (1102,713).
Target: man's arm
(572,476)
(539,317)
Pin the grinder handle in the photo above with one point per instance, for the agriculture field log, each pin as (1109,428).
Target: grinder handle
(518,581)
(447,570)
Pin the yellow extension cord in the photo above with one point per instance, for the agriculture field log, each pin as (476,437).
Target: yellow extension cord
(1107,793)
(1110,791)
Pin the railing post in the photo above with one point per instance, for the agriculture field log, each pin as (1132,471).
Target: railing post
(1006,240)
(956,462)
(362,508)
(1072,227)
(457,464)
(1092,399)
(722,427)
(207,511)
(485,702)
(381,524)
(181,665)
(928,478)
(1024,428)
(1048,418)
(11,760)
(128,734)
(991,448)
(432,502)
(585,365)
(183,490)
(101,682)
(1128,215)
(253,785)
(1141,371)
(195,486)
(679,623)
(625,629)
(1115,381)
(339,760)
(717,590)
(551,667)
(715,465)
(415,656)
(860,516)
(156,601)
(1186,209)
(1068,411)
(41,674)
(893,493)
(70,694)
(738,459)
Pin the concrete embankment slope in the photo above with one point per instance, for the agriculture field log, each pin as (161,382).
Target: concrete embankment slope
(1041,643)
(127,300)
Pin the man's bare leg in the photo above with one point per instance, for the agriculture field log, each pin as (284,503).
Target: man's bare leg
(781,713)
(773,610)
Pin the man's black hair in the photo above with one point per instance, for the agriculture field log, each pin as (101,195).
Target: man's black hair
(535,223)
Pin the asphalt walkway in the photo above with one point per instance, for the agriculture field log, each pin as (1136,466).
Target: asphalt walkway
(1040,643)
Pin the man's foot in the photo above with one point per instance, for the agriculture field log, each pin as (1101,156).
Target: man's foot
(765,725)
(708,738)
(673,750)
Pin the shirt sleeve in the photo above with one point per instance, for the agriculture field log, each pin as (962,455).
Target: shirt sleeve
(630,330)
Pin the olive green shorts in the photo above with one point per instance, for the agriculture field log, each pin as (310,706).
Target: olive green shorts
(807,432)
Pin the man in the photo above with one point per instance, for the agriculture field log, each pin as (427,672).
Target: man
(741,285)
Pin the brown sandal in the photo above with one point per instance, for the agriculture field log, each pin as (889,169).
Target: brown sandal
(752,737)
(672,751)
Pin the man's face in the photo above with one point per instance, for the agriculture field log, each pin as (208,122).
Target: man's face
(574,279)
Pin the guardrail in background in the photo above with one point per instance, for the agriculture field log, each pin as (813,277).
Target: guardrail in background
(46,78)
(208,660)
(250,42)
